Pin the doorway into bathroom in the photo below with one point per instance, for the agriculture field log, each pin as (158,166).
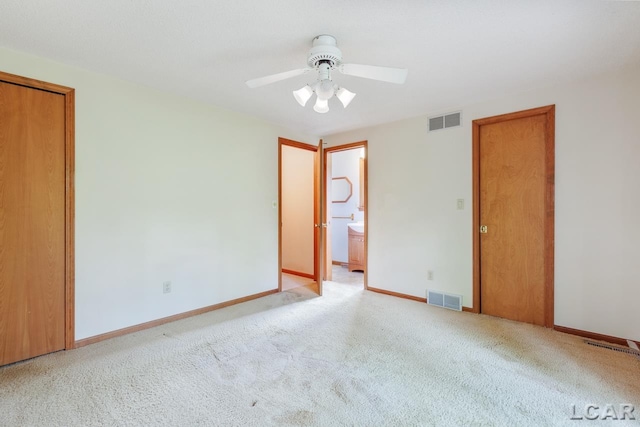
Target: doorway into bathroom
(346,214)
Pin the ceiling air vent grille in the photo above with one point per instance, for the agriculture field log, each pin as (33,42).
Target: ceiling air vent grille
(445,121)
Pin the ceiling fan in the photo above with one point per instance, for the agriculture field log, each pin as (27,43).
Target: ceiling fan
(325,57)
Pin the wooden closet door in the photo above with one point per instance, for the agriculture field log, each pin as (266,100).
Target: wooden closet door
(516,212)
(512,206)
(32,222)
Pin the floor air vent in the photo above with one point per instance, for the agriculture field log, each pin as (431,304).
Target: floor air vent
(440,299)
(445,121)
(614,348)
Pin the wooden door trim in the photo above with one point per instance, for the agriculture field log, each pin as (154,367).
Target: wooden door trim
(549,112)
(337,148)
(69,106)
(304,146)
(345,147)
(296,144)
(317,218)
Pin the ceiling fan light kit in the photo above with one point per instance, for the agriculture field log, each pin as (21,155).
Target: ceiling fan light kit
(324,56)
(325,89)
(345,96)
(322,106)
(302,95)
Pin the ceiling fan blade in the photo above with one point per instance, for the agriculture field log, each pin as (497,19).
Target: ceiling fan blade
(261,81)
(385,74)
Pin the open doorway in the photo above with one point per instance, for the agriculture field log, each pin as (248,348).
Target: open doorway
(346,214)
(298,193)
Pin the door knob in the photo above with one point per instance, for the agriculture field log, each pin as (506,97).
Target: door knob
(484,229)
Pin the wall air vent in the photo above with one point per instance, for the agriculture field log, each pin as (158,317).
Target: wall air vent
(436,123)
(626,350)
(441,299)
(445,121)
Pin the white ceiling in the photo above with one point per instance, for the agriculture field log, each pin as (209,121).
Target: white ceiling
(457,52)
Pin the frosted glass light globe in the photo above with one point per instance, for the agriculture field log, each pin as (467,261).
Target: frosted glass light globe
(324,89)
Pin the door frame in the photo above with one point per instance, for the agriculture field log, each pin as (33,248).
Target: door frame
(549,112)
(365,186)
(316,204)
(69,226)
(320,231)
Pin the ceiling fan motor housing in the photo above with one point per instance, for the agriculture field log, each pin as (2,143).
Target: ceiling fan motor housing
(325,50)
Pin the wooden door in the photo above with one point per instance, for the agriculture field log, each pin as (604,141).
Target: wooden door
(327,217)
(32,222)
(515,190)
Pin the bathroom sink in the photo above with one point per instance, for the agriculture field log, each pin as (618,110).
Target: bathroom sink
(357,226)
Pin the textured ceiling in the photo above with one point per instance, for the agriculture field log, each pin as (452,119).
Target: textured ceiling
(457,52)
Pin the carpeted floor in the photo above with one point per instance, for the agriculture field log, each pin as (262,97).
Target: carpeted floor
(351,357)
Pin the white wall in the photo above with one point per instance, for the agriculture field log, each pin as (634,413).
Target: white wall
(166,189)
(345,163)
(298,169)
(415,178)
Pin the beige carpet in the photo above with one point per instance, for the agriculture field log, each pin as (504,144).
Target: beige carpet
(350,357)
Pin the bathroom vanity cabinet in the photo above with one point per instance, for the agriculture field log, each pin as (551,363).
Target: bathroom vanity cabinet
(356,250)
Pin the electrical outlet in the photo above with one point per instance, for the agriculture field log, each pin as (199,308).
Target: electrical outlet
(460,204)
(429,275)
(166,287)
(274,204)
